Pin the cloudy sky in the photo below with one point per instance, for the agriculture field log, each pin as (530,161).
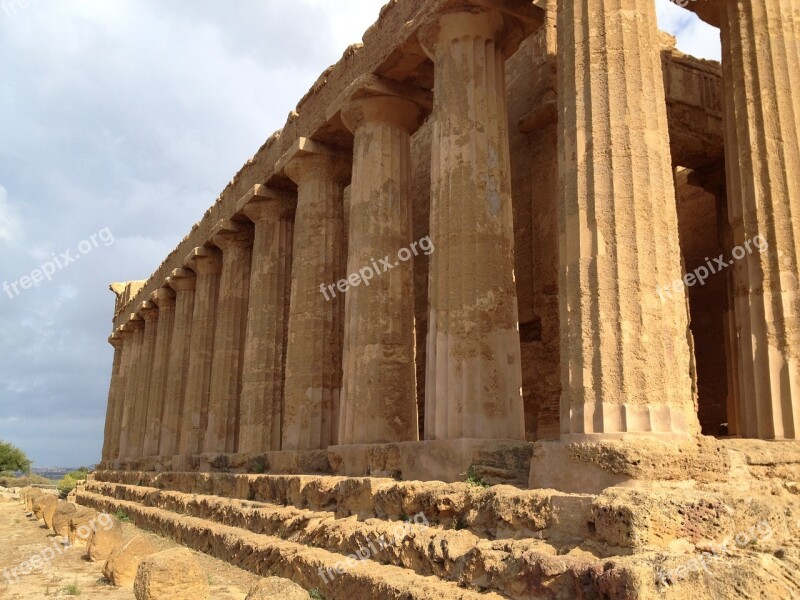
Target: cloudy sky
(120,122)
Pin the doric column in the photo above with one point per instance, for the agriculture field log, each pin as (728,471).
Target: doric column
(135,327)
(313,360)
(207,264)
(164,299)
(125,337)
(116,341)
(379,396)
(761,78)
(236,242)
(272,212)
(473,376)
(149,312)
(625,358)
(183,281)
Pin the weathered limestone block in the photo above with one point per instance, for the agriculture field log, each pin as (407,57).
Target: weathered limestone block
(235,240)
(272,211)
(276,588)
(473,377)
(625,358)
(62,517)
(44,503)
(207,264)
(51,511)
(313,359)
(379,398)
(81,524)
(123,563)
(104,539)
(171,575)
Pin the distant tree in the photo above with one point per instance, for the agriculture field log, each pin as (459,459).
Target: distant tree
(13,459)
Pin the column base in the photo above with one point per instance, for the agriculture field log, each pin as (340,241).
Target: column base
(276,463)
(589,465)
(493,461)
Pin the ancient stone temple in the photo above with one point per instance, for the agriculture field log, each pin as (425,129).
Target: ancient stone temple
(504,243)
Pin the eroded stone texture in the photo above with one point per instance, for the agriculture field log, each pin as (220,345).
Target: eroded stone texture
(761,62)
(625,358)
(378,401)
(235,240)
(313,360)
(272,212)
(473,377)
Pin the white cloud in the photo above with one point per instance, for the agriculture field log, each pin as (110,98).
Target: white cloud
(694,36)
(9,223)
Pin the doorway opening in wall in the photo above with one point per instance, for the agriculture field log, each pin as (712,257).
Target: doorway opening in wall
(702,224)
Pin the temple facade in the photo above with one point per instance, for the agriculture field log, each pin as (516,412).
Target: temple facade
(495,229)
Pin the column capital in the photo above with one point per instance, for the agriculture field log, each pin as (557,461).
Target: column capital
(505,21)
(229,234)
(204,261)
(267,204)
(116,340)
(309,160)
(182,279)
(148,311)
(135,323)
(163,297)
(372,98)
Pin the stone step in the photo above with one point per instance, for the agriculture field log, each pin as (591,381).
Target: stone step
(307,566)
(498,512)
(412,542)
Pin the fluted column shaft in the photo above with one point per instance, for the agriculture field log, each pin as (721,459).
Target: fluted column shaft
(235,240)
(625,357)
(148,312)
(164,298)
(126,337)
(313,359)
(132,399)
(113,395)
(379,399)
(207,264)
(473,375)
(267,322)
(761,64)
(183,282)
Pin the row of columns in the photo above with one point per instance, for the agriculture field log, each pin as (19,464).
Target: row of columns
(240,352)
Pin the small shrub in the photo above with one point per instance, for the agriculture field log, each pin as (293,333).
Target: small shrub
(72,589)
(474,479)
(122,516)
(315,594)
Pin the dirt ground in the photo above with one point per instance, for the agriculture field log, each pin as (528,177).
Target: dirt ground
(21,538)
